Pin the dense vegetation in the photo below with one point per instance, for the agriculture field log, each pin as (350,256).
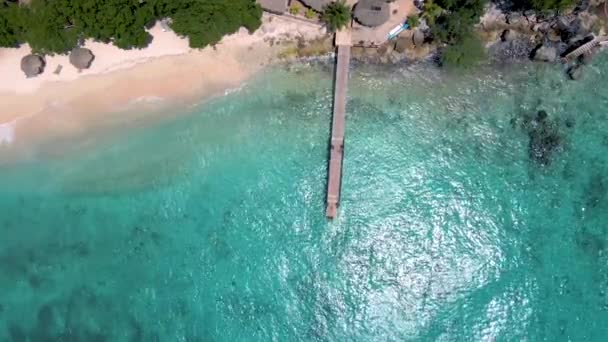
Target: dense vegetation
(465,54)
(336,15)
(454,25)
(413,20)
(544,5)
(56,26)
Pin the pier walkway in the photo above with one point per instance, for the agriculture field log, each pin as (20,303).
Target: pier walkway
(334,175)
(586,48)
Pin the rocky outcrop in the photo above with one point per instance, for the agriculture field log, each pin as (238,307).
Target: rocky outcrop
(418,38)
(587,58)
(575,72)
(545,53)
(551,35)
(545,139)
(516,18)
(403,43)
(508,35)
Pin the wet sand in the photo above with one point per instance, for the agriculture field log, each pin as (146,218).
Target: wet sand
(165,74)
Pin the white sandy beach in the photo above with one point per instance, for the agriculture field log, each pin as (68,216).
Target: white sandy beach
(167,70)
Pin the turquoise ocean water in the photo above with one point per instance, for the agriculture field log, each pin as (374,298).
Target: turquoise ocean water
(210,226)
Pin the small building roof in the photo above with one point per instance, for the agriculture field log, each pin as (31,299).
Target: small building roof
(317,5)
(32,65)
(275,6)
(81,58)
(372,12)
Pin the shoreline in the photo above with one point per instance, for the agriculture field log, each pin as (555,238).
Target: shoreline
(167,73)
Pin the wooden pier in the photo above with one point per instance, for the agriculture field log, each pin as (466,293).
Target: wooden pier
(336,155)
(586,48)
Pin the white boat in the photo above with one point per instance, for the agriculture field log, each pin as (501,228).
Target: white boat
(398,29)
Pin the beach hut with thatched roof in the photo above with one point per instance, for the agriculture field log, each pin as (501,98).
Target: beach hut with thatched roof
(317,5)
(32,65)
(81,58)
(372,13)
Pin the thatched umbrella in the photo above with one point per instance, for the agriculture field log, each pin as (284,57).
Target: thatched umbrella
(81,58)
(32,65)
(317,5)
(372,12)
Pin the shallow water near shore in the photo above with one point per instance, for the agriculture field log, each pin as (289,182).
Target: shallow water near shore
(210,227)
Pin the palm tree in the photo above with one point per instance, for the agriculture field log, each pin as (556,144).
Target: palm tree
(336,15)
(431,12)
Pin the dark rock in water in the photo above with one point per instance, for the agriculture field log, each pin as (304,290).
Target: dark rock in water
(545,53)
(514,50)
(563,324)
(597,191)
(544,138)
(542,145)
(586,58)
(137,331)
(46,318)
(590,243)
(16,333)
(570,122)
(35,281)
(541,116)
(575,72)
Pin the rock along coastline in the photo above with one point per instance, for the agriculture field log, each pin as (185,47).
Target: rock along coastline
(509,36)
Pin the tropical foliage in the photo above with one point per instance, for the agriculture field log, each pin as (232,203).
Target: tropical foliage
(413,20)
(56,26)
(336,15)
(205,22)
(465,53)
(121,22)
(432,11)
(454,26)
(295,8)
(310,13)
(543,5)
(10,25)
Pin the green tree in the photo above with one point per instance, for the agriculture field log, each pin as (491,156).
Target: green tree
(49,26)
(295,8)
(57,26)
(465,53)
(310,13)
(11,25)
(431,12)
(413,20)
(544,5)
(121,22)
(452,27)
(206,22)
(336,15)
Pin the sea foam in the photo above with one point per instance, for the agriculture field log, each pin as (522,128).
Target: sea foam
(7,132)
